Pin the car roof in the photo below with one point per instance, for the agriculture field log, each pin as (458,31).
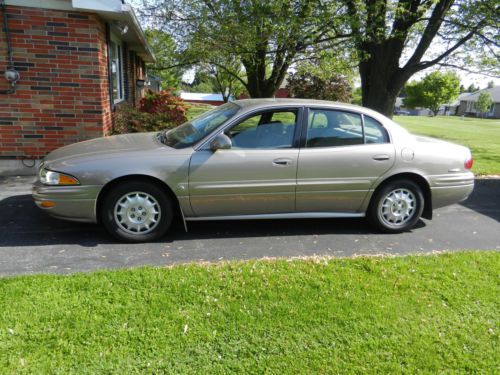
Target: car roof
(291,101)
(249,104)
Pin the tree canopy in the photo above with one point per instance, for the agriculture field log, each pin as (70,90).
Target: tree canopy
(167,66)
(313,81)
(433,91)
(388,40)
(396,39)
(266,37)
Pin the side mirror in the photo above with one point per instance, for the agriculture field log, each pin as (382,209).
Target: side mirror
(221,142)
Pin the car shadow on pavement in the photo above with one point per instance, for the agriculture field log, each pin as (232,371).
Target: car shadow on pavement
(275,228)
(485,199)
(24,224)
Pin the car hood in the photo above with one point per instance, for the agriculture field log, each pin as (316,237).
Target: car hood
(106,146)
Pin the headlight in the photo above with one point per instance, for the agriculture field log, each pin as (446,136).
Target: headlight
(48,177)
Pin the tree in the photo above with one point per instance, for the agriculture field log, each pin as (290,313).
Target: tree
(323,78)
(389,40)
(491,84)
(227,80)
(167,66)
(396,39)
(201,82)
(433,91)
(265,37)
(357,96)
(472,88)
(307,85)
(484,102)
(210,78)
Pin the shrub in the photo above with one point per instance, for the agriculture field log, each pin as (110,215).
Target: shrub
(156,111)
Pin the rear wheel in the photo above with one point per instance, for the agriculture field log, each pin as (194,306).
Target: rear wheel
(137,212)
(397,206)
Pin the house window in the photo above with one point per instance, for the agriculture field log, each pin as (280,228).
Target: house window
(116,57)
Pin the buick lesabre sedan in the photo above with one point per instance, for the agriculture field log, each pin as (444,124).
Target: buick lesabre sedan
(256,159)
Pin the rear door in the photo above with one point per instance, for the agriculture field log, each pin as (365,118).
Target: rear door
(343,154)
(257,175)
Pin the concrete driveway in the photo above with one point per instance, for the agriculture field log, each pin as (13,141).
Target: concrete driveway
(32,242)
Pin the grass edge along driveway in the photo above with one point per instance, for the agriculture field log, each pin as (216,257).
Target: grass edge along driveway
(359,315)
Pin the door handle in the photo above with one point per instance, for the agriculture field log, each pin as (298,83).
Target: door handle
(381,157)
(282,162)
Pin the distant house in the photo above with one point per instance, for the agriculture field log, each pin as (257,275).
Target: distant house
(467,102)
(204,98)
(452,108)
(77,61)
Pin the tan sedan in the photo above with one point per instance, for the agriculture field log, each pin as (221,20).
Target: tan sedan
(256,159)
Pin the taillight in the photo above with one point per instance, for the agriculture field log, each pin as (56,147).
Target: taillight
(468,163)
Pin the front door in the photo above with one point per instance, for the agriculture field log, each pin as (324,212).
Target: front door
(256,176)
(344,154)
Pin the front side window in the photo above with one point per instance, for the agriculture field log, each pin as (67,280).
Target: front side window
(330,128)
(193,131)
(270,129)
(116,59)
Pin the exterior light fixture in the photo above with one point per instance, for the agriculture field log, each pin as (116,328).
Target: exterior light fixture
(12,75)
(122,27)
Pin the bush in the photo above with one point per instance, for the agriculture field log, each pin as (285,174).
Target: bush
(156,111)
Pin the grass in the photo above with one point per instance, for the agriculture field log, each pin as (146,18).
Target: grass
(364,315)
(481,136)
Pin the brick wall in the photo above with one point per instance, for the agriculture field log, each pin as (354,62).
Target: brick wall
(63,94)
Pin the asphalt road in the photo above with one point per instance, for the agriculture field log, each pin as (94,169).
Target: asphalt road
(33,242)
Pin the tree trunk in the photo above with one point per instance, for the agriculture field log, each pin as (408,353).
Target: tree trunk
(381,80)
(381,77)
(259,87)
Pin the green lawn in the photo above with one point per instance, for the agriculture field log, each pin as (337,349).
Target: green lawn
(365,315)
(481,136)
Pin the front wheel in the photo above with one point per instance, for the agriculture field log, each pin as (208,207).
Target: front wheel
(137,212)
(396,207)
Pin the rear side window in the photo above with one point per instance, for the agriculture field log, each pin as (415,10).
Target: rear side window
(374,131)
(330,128)
(334,128)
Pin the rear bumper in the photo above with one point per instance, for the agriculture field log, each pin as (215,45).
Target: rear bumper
(75,203)
(450,189)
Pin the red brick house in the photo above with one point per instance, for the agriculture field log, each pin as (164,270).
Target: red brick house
(77,60)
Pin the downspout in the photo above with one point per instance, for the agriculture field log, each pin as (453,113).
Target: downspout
(11,74)
(110,75)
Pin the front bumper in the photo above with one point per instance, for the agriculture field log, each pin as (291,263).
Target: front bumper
(450,189)
(75,203)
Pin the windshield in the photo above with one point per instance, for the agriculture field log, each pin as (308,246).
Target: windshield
(195,130)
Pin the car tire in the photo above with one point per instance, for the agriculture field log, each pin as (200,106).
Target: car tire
(396,206)
(137,211)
